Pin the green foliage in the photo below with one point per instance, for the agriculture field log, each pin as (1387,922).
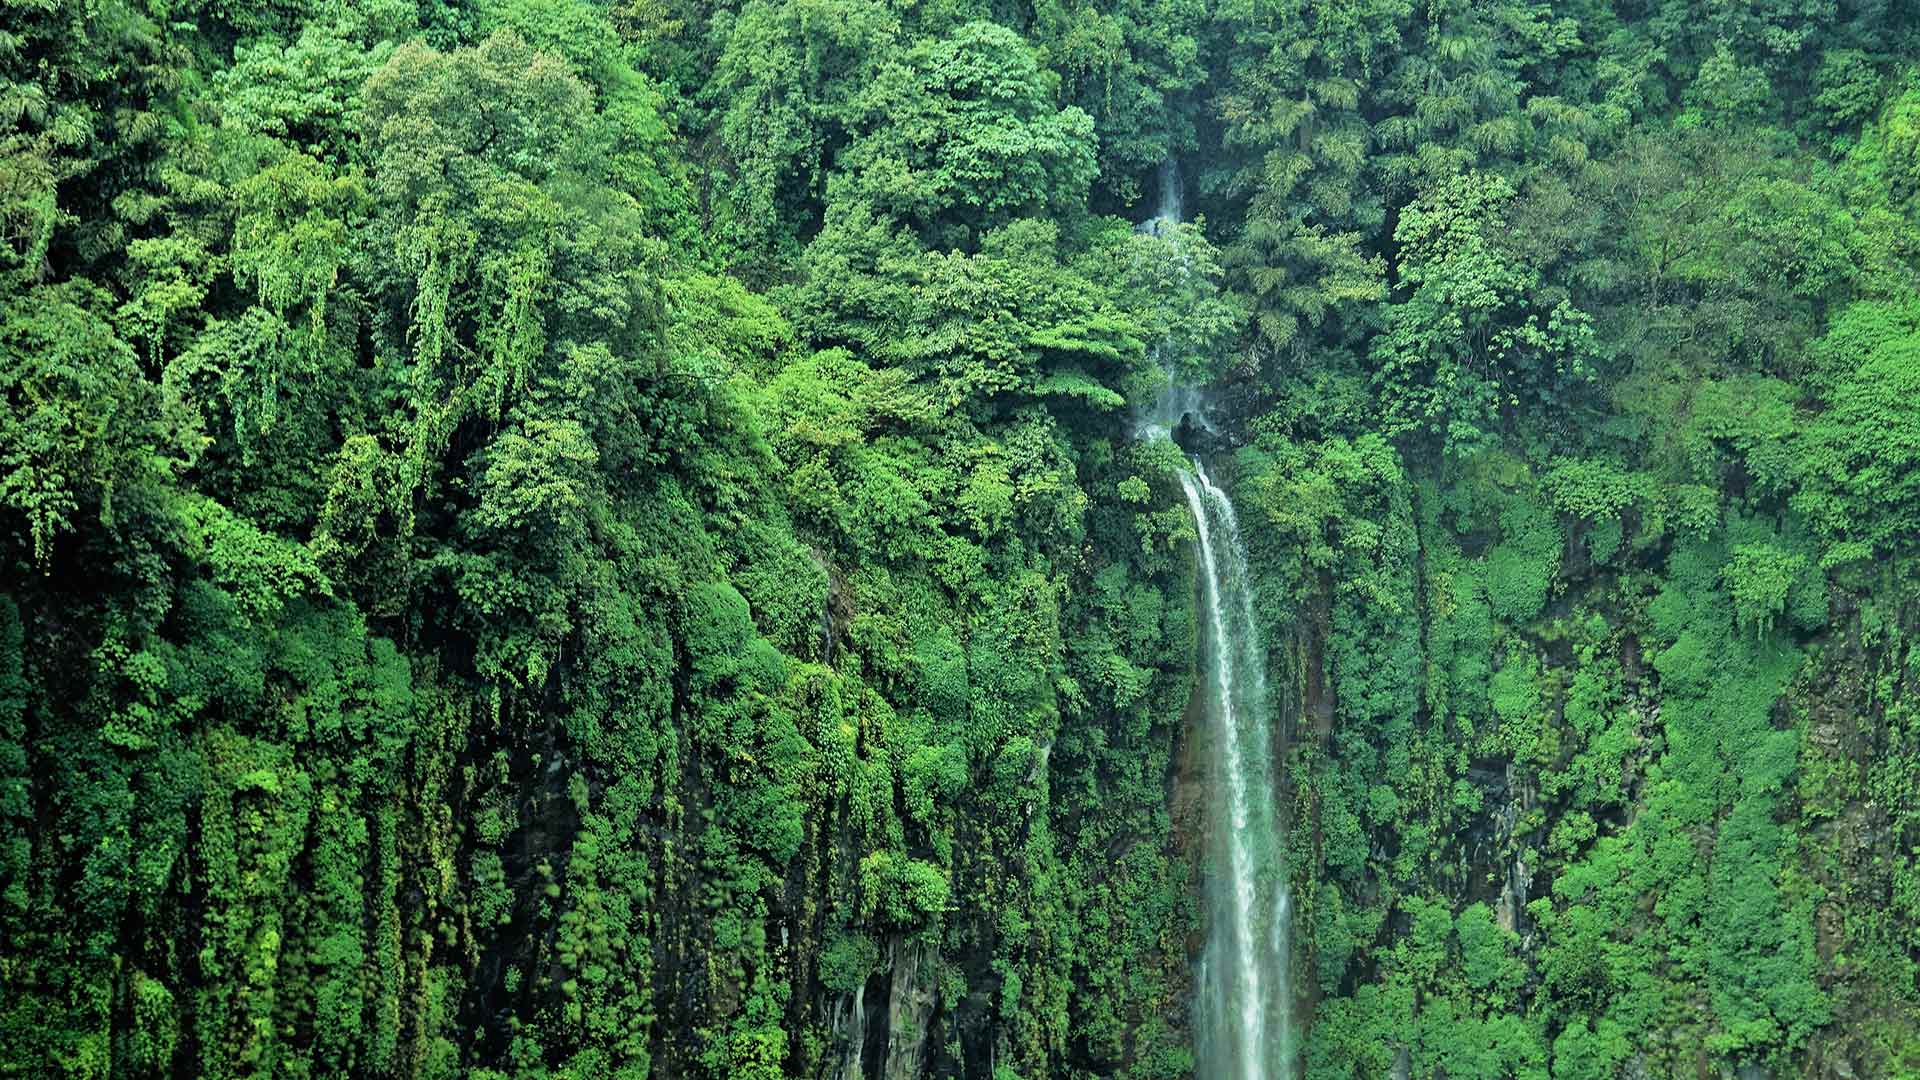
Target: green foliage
(1766,581)
(785,84)
(960,134)
(1331,505)
(1521,568)
(1858,487)
(846,960)
(1477,337)
(81,422)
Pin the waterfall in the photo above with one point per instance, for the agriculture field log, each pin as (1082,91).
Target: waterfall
(1171,208)
(1243,987)
(857,1041)
(1244,993)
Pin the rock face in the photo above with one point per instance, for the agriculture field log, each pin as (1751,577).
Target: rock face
(1515,877)
(1199,438)
(851,1025)
(910,1004)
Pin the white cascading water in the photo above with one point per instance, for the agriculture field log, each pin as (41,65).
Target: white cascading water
(1241,1027)
(1243,981)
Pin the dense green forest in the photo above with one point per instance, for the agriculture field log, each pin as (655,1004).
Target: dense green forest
(605,538)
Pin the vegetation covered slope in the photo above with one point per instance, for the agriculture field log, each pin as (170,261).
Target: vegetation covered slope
(548,537)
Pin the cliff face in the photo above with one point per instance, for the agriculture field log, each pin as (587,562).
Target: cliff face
(1536,779)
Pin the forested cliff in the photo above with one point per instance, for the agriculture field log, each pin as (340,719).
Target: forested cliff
(608,538)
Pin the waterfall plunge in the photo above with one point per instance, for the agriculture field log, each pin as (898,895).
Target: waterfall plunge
(1244,990)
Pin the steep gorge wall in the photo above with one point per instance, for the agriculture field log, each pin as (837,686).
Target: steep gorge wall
(1516,829)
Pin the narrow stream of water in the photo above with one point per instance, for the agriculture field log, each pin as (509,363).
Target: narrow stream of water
(1241,1027)
(1241,1022)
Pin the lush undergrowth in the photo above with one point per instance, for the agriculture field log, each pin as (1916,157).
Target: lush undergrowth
(584,539)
